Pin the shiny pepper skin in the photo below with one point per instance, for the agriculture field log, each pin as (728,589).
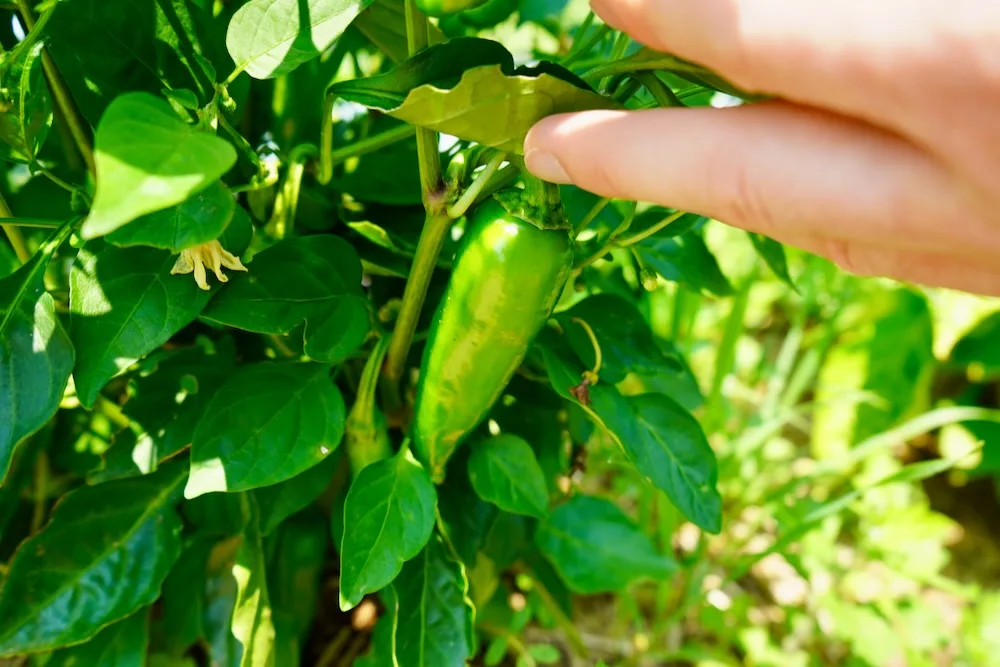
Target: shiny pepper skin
(505,281)
(443,8)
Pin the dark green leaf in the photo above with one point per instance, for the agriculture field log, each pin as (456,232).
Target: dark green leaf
(252,623)
(312,279)
(469,88)
(386,176)
(979,346)
(597,548)
(625,339)
(773,254)
(661,439)
(27,111)
(384,24)
(180,621)
(540,11)
(268,38)
(104,49)
(388,518)
(217,514)
(199,219)
(124,304)
(382,653)
(35,354)
(685,260)
(268,423)
(55,596)
(279,501)
(465,516)
(148,159)
(295,569)
(435,618)
(121,644)
(503,471)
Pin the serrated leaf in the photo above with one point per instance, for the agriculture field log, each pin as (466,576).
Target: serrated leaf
(279,501)
(388,518)
(686,260)
(596,548)
(435,616)
(124,304)
(469,88)
(27,110)
(36,356)
(268,38)
(269,422)
(773,254)
(626,341)
(199,219)
(148,159)
(503,471)
(311,279)
(252,624)
(55,596)
(121,644)
(662,440)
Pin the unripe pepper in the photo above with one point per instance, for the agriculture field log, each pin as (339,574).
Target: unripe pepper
(442,8)
(506,279)
(366,432)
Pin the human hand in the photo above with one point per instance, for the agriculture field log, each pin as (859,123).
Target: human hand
(882,155)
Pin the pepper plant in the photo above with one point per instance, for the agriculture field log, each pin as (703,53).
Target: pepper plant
(281,307)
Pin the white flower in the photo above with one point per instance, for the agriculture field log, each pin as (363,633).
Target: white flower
(211,254)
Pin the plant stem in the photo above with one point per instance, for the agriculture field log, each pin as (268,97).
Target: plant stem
(432,237)
(330,157)
(14,234)
(661,92)
(45,223)
(429,246)
(288,199)
(585,45)
(649,231)
(60,93)
(471,194)
(40,491)
(593,213)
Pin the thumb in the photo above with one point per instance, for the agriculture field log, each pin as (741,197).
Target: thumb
(768,168)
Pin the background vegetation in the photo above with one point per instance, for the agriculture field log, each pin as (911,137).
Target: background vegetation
(854,421)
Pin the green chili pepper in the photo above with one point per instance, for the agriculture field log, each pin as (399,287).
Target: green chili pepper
(506,279)
(483,15)
(442,8)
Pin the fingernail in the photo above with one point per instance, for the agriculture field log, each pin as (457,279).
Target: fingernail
(546,166)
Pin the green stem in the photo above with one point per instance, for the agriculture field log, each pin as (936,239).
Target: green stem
(428,157)
(585,45)
(63,100)
(14,234)
(501,180)
(471,194)
(60,182)
(627,65)
(726,356)
(660,91)
(241,143)
(649,231)
(593,213)
(45,223)
(288,200)
(41,491)
(330,157)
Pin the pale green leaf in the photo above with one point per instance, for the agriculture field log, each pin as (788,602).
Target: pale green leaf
(252,624)
(268,38)
(148,159)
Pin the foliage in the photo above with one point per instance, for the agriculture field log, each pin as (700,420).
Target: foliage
(717,451)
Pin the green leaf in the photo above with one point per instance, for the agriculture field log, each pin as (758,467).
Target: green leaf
(124,304)
(773,254)
(55,596)
(199,219)
(148,159)
(626,341)
(35,354)
(469,88)
(388,518)
(296,563)
(104,49)
(465,517)
(121,644)
(596,548)
(978,347)
(503,471)
(434,628)
(384,24)
(252,624)
(279,501)
(27,110)
(269,422)
(180,621)
(312,279)
(268,38)
(661,439)
(383,643)
(686,260)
